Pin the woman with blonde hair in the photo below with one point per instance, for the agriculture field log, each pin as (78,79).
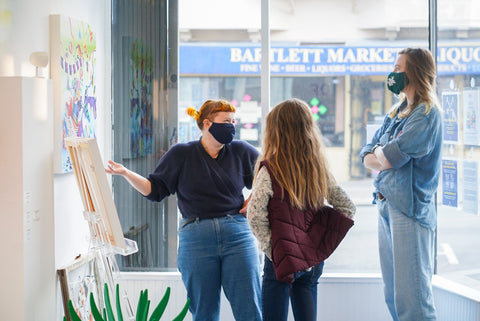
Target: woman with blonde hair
(407,152)
(216,248)
(292,181)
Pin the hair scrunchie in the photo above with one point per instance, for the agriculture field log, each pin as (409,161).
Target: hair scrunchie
(192,112)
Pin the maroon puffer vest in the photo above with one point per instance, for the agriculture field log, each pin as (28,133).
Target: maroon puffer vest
(302,239)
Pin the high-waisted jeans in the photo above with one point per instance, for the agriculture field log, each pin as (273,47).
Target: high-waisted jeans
(215,253)
(406,259)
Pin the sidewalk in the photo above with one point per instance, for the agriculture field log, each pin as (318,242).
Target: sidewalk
(360,191)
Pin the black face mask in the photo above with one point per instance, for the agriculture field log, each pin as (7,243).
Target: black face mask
(222,132)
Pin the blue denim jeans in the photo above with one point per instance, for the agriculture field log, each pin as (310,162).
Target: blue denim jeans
(215,253)
(406,259)
(302,293)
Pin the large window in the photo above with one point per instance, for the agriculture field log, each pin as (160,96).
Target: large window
(140,70)
(335,55)
(458,243)
(338,68)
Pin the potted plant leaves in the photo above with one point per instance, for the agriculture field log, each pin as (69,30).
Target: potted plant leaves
(142,308)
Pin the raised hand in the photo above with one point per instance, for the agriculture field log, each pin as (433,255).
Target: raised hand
(115,168)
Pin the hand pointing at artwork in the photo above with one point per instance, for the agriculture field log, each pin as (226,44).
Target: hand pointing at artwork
(140,183)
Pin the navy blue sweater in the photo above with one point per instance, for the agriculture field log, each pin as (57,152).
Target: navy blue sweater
(205,187)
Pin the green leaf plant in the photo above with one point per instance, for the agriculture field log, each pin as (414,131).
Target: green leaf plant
(142,308)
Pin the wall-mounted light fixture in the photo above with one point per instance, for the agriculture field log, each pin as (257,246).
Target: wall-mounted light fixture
(40,60)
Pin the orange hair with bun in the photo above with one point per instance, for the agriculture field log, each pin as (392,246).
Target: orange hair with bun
(192,112)
(209,108)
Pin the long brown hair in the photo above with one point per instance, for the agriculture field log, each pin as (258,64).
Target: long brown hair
(295,155)
(421,74)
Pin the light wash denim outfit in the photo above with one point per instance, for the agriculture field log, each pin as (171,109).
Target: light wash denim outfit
(405,196)
(215,253)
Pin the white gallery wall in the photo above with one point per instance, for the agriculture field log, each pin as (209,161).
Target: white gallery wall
(24,28)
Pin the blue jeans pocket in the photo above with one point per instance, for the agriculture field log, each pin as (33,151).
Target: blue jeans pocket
(237,218)
(310,275)
(187,224)
(317,272)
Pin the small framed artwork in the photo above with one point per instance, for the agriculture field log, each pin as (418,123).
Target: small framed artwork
(77,280)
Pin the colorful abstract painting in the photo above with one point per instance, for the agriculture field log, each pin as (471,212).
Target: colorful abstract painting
(73,70)
(140,67)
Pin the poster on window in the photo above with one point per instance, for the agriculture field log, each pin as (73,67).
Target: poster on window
(138,94)
(471,121)
(470,187)
(73,71)
(450,117)
(449,183)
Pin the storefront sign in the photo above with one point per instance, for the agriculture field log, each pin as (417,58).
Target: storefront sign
(242,59)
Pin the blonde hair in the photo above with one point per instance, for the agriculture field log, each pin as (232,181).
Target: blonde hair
(209,108)
(421,74)
(295,154)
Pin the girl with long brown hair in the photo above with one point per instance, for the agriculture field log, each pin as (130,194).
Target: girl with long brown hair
(292,178)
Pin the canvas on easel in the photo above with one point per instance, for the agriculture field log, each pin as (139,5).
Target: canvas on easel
(95,191)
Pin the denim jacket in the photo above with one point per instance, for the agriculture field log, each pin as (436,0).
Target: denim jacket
(413,146)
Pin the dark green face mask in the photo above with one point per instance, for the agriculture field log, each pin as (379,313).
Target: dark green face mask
(396,82)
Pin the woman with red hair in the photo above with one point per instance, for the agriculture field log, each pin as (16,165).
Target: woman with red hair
(216,247)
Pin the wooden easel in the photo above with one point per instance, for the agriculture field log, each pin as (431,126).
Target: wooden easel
(106,235)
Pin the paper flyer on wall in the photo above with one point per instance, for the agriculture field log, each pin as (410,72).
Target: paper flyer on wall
(470,187)
(449,183)
(471,120)
(450,117)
